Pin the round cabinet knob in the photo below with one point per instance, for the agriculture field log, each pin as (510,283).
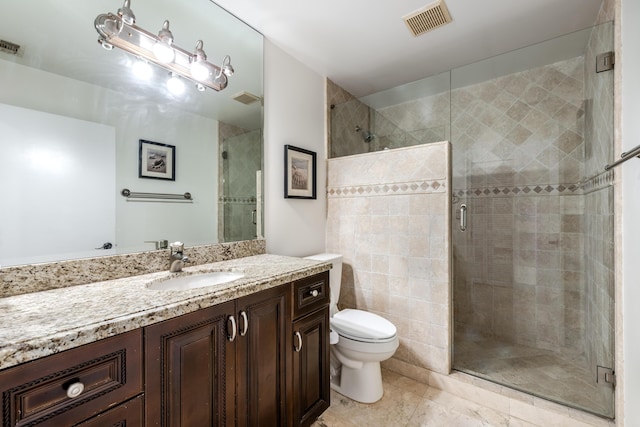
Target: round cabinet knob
(314,293)
(75,390)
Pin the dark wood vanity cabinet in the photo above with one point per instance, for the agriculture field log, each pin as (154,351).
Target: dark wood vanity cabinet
(71,387)
(221,366)
(311,366)
(259,360)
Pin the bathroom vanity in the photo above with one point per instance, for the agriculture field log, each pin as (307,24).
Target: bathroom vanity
(254,351)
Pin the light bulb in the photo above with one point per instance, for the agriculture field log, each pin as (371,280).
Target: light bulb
(199,70)
(142,70)
(163,52)
(175,85)
(162,49)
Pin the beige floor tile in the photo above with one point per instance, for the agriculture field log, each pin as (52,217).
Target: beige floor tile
(408,403)
(404,383)
(555,375)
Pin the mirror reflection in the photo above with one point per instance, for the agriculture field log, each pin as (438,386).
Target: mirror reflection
(72,116)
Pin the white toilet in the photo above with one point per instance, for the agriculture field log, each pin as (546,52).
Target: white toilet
(359,342)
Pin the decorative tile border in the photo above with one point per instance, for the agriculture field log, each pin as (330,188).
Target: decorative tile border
(595,183)
(228,199)
(523,190)
(416,187)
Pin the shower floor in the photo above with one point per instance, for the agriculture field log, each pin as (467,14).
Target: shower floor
(552,375)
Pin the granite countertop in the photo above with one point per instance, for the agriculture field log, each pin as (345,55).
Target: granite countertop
(42,323)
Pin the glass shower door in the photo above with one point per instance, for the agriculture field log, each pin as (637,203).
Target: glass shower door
(533,270)
(241,162)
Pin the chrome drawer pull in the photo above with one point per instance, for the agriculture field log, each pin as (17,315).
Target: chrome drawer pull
(75,390)
(245,323)
(234,329)
(314,293)
(298,346)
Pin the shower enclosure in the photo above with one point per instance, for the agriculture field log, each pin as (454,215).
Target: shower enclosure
(532,209)
(533,268)
(240,181)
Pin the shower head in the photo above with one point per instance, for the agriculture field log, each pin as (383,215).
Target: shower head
(368,136)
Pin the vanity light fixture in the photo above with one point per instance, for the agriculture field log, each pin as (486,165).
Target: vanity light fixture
(120,30)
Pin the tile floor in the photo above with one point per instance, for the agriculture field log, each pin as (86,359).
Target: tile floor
(557,376)
(407,402)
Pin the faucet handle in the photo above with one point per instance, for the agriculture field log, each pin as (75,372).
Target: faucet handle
(177,247)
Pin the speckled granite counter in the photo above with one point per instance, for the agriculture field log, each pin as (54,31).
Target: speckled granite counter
(42,323)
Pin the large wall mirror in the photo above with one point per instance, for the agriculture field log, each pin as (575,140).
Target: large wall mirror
(72,115)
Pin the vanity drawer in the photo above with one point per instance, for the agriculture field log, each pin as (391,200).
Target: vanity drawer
(310,294)
(69,387)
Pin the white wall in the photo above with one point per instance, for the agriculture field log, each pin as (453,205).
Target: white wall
(63,168)
(294,115)
(631,209)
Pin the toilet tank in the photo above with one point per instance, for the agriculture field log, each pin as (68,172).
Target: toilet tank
(335,277)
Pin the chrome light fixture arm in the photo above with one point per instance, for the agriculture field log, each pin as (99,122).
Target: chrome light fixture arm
(120,30)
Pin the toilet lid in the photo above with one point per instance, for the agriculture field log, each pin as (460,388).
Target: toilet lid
(362,324)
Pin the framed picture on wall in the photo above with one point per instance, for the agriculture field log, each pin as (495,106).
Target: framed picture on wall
(299,173)
(157,161)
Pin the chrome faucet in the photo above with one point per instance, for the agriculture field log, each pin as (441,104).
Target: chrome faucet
(176,257)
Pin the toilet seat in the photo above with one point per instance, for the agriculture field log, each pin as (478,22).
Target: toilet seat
(363,326)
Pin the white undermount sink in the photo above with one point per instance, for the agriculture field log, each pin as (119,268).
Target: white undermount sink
(196,280)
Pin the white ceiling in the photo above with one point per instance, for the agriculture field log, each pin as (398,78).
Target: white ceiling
(365,47)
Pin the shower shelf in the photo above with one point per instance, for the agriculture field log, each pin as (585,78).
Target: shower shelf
(635,152)
(133,196)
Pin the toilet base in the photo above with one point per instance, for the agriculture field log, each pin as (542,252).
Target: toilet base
(362,385)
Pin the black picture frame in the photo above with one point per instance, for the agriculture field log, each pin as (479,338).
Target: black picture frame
(156,160)
(299,173)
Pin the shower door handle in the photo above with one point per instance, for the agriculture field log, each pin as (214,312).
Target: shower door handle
(254,217)
(463,217)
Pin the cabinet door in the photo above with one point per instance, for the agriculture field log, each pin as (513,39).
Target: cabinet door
(190,370)
(311,367)
(261,360)
(128,414)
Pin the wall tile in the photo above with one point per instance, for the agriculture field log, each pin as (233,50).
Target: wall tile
(400,265)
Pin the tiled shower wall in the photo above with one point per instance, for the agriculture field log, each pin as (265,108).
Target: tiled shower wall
(422,121)
(388,217)
(345,114)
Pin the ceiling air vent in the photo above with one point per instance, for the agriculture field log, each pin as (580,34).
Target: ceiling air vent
(8,47)
(428,18)
(246,97)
